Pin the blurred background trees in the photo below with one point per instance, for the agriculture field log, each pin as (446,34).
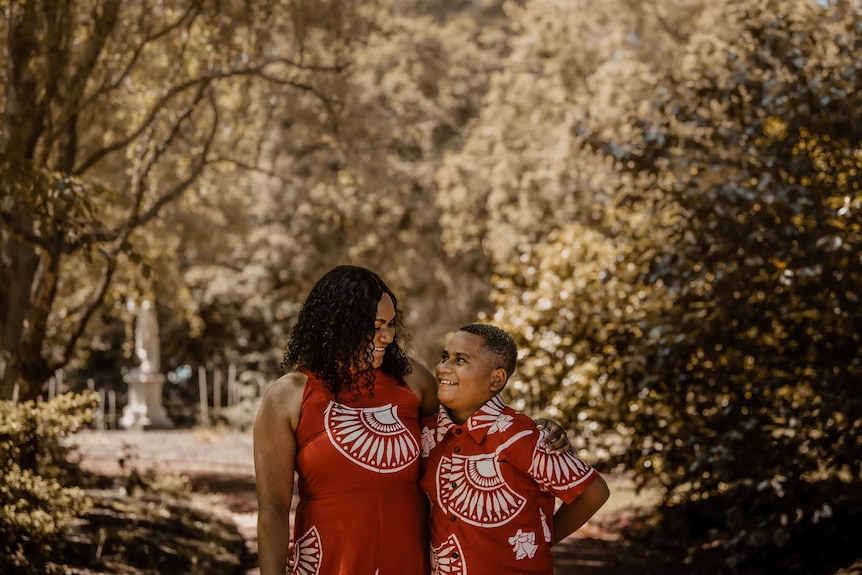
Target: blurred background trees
(660,201)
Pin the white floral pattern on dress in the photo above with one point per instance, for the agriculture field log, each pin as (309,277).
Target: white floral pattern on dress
(372,437)
(309,553)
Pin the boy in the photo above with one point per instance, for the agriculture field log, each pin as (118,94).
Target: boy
(491,484)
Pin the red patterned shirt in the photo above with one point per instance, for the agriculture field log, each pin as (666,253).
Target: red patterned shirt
(492,487)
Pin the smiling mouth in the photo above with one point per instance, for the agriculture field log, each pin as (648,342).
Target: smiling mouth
(447,382)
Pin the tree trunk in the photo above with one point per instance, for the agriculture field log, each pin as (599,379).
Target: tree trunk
(19,265)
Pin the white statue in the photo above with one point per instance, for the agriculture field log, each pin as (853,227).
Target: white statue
(147,339)
(145,409)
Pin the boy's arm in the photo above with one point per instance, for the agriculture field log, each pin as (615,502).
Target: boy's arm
(571,516)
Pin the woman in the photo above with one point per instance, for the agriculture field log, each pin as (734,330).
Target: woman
(346,420)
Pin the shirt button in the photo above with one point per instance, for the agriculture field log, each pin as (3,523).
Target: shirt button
(457,449)
(454,484)
(458,431)
(453,519)
(455,555)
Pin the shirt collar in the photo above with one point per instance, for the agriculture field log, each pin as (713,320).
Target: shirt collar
(478,424)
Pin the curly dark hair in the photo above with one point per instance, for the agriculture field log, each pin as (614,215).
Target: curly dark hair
(335,330)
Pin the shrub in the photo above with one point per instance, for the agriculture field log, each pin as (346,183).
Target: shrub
(37,496)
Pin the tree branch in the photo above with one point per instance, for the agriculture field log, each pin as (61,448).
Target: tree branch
(98,294)
(82,103)
(22,235)
(181,187)
(93,303)
(158,106)
(251,168)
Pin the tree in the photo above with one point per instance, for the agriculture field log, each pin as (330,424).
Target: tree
(529,191)
(354,183)
(112,112)
(676,243)
(749,375)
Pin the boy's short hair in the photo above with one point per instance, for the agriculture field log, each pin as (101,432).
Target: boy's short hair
(497,342)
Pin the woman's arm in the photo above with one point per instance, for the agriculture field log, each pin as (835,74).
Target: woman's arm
(424,385)
(274,466)
(557,440)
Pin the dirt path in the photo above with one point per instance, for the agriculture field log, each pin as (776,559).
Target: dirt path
(218,461)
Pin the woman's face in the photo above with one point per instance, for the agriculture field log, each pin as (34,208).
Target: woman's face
(384,329)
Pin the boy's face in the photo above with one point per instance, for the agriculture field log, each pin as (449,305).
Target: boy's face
(467,376)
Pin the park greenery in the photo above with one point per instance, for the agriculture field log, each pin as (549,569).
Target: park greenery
(660,201)
(38,493)
(57,518)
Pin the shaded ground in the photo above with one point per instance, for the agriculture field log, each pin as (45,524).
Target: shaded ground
(220,462)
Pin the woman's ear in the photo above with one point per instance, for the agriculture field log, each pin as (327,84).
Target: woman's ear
(498,379)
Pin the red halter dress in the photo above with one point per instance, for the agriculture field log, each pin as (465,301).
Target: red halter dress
(361,510)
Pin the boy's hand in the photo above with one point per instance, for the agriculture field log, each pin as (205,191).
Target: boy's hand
(557,441)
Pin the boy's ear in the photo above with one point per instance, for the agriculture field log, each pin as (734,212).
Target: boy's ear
(498,379)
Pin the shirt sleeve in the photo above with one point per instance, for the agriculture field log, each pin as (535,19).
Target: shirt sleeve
(565,475)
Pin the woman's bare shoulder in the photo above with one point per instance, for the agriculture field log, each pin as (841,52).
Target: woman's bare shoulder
(424,385)
(420,376)
(291,381)
(283,398)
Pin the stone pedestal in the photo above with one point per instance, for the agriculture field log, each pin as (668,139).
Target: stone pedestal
(144,409)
